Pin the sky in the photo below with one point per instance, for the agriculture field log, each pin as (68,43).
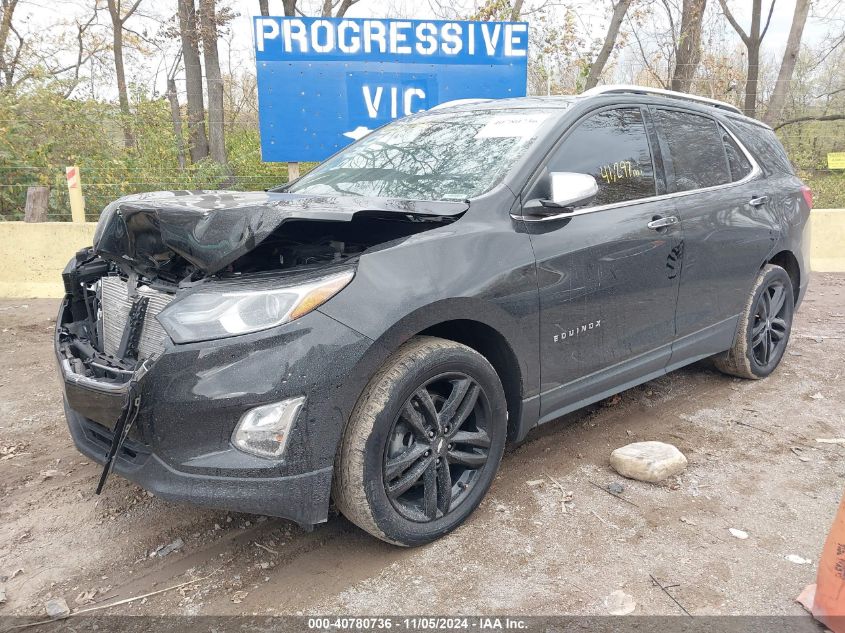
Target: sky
(238,46)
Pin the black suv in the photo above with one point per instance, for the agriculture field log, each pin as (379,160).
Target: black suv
(376,331)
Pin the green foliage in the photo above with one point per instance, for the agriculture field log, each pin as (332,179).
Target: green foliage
(808,145)
(828,188)
(42,132)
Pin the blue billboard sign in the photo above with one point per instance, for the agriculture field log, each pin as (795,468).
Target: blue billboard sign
(324,82)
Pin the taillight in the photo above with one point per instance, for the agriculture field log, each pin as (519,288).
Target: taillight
(808,195)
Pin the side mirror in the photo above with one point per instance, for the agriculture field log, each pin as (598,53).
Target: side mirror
(570,189)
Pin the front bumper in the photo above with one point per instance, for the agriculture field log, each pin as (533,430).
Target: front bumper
(303,498)
(192,398)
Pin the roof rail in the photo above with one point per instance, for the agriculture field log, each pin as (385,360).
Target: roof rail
(623,88)
(456,102)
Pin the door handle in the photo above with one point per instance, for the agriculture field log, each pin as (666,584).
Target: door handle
(661,223)
(758,201)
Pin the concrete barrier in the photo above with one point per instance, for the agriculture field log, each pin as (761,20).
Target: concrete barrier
(34,254)
(827,240)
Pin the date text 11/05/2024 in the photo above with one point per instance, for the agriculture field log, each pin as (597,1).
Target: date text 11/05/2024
(419,623)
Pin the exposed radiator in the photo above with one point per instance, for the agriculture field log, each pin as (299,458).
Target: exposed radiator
(116,305)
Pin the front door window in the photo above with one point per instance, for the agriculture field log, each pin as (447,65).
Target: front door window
(612,146)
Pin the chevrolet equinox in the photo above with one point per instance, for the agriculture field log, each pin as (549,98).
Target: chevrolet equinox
(376,331)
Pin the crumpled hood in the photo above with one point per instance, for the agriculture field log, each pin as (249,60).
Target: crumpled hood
(211,229)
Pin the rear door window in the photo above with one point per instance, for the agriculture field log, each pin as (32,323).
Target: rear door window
(765,147)
(612,146)
(738,162)
(696,149)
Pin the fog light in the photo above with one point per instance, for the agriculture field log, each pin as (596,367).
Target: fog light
(264,430)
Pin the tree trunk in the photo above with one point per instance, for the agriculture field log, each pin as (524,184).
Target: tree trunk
(264,7)
(750,104)
(753,46)
(213,80)
(787,66)
(197,140)
(37,199)
(290,7)
(120,73)
(597,66)
(176,116)
(516,11)
(752,40)
(689,45)
(8,7)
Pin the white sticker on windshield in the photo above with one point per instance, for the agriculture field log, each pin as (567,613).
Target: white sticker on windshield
(509,126)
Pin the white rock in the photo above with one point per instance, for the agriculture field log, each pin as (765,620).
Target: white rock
(648,461)
(57,608)
(619,603)
(798,560)
(740,534)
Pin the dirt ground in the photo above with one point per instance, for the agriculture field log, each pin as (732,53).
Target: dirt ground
(754,465)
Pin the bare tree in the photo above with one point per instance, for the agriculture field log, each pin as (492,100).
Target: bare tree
(213,81)
(176,111)
(752,40)
(33,57)
(787,66)
(597,67)
(88,48)
(264,7)
(82,56)
(329,6)
(688,50)
(176,116)
(7,66)
(197,140)
(118,19)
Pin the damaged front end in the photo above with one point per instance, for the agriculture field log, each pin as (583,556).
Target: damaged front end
(105,343)
(173,268)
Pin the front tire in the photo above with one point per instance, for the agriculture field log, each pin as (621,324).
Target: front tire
(423,443)
(763,331)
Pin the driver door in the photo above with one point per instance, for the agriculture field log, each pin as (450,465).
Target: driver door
(608,271)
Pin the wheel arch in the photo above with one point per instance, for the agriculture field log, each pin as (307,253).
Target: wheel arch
(786,259)
(493,346)
(478,324)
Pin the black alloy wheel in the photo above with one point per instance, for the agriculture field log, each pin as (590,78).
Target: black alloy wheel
(423,443)
(770,327)
(762,332)
(437,446)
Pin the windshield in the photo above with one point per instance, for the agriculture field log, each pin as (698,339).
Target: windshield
(436,156)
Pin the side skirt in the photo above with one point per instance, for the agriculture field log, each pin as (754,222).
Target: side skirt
(583,392)
(708,341)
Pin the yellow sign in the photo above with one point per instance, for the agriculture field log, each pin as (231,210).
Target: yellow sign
(836,160)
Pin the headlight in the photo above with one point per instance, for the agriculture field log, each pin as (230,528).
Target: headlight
(207,314)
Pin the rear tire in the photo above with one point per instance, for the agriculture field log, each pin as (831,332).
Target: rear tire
(423,443)
(764,327)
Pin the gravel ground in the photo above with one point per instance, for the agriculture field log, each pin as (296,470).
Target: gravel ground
(557,547)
